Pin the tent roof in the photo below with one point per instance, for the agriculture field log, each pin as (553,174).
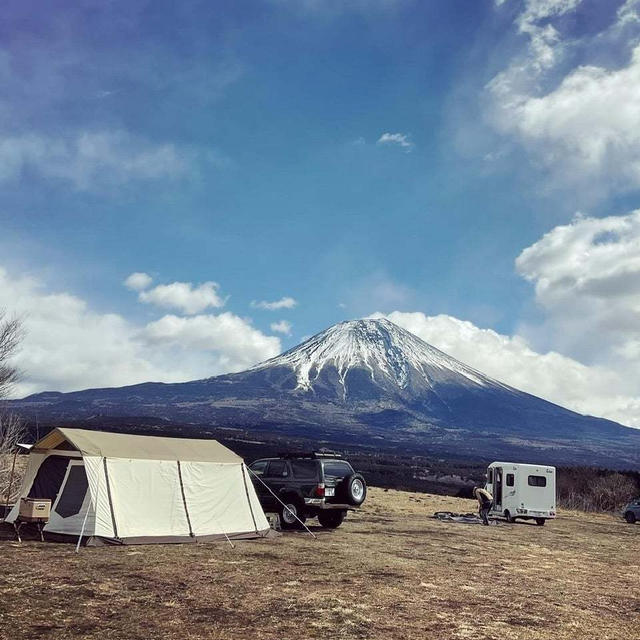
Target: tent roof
(136,447)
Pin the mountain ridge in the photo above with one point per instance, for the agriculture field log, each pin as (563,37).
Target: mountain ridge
(369,381)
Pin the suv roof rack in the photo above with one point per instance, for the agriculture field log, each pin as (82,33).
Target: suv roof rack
(309,454)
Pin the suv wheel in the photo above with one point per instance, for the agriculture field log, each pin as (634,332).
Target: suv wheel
(355,489)
(291,515)
(630,517)
(331,519)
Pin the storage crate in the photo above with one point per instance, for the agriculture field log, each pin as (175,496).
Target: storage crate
(34,509)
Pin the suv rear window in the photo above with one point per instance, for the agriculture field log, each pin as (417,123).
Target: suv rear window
(304,469)
(336,468)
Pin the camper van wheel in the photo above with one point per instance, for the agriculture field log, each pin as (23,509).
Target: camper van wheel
(291,515)
(540,522)
(630,517)
(508,516)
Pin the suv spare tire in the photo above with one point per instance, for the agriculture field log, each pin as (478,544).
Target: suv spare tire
(354,489)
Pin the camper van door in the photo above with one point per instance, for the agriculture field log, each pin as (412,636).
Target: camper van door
(497,488)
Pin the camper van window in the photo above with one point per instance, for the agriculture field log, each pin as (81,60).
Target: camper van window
(537,481)
(510,479)
(489,476)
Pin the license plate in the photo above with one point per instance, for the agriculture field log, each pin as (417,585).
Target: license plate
(330,492)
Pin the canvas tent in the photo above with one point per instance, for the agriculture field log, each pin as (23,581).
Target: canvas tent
(139,489)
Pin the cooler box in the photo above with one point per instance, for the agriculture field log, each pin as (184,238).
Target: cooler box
(34,509)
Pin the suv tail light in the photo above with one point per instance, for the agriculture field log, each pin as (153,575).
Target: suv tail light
(320,490)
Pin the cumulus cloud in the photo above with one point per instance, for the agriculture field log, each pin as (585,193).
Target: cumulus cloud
(283,303)
(69,346)
(593,390)
(589,124)
(585,352)
(239,344)
(402,140)
(184,296)
(138,281)
(587,278)
(583,123)
(283,327)
(91,159)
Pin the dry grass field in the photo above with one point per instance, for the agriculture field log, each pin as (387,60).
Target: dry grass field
(391,571)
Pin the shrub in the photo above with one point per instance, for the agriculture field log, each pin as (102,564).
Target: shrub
(588,489)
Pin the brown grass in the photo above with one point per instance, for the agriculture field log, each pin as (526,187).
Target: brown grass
(389,572)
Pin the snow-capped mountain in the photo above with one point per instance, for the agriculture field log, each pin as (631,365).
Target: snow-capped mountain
(392,357)
(374,383)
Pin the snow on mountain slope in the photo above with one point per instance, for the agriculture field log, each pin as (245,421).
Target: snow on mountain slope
(389,353)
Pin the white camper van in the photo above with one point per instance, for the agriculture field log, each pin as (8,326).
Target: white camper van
(525,491)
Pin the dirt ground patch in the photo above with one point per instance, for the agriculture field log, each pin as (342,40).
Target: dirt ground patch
(391,571)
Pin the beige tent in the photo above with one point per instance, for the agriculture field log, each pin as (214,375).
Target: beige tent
(130,489)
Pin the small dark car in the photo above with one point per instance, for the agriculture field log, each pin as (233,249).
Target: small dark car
(300,486)
(631,513)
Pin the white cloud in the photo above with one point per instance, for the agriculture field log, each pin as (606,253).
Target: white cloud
(238,343)
(138,281)
(587,278)
(184,296)
(91,159)
(589,126)
(283,327)
(628,13)
(592,390)
(401,140)
(69,346)
(582,124)
(283,303)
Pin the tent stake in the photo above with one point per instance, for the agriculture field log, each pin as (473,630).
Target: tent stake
(283,504)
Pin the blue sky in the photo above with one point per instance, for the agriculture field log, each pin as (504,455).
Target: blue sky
(388,156)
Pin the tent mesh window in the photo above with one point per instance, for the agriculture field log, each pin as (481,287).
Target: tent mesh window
(75,489)
(48,480)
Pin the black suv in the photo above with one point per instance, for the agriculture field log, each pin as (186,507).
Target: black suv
(308,485)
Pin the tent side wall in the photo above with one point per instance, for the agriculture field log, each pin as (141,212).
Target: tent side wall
(220,502)
(144,501)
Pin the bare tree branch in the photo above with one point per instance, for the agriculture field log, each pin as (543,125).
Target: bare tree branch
(12,431)
(11,333)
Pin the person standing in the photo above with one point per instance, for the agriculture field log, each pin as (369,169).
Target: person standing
(485,502)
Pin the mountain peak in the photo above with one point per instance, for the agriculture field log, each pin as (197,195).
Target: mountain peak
(389,354)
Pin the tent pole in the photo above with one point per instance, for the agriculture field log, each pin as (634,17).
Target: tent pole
(84,522)
(246,490)
(313,535)
(224,533)
(13,467)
